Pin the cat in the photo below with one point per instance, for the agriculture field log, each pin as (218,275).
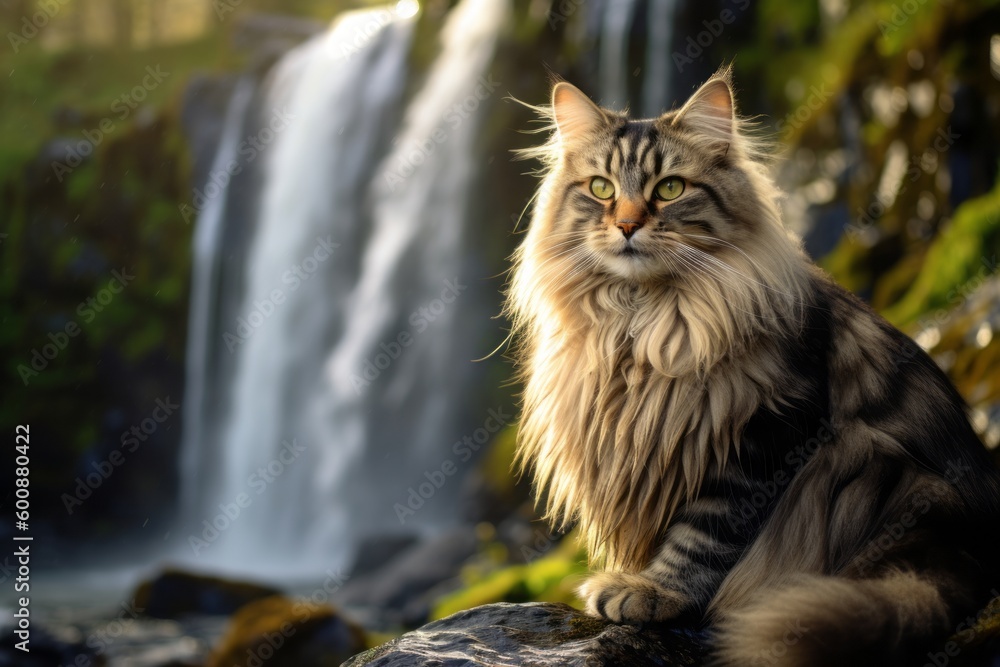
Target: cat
(742,442)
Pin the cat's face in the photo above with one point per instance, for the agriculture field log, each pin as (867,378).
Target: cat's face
(649,199)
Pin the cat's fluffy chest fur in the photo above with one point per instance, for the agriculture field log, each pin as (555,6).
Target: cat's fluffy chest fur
(635,380)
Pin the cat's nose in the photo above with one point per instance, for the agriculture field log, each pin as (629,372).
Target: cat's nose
(628,227)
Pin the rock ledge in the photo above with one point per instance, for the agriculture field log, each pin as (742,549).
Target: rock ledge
(537,635)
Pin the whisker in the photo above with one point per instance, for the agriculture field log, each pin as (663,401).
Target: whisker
(728,267)
(695,262)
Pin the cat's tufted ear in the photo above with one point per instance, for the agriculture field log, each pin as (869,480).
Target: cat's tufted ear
(709,113)
(575,115)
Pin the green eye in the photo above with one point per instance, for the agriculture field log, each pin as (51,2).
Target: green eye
(669,188)
(602,188)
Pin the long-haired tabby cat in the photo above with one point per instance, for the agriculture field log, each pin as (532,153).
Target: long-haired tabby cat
(741,440)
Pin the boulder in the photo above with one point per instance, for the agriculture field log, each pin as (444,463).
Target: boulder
(554,634)
(282,632)
(174,593)
(537,634)
(399,594)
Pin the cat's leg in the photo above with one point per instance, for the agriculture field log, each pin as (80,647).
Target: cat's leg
(701,545)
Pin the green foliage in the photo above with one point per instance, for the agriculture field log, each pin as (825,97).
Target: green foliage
(69,226)
(965,249)
(548,579)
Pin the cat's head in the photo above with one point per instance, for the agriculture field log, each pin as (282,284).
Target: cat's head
(678,198)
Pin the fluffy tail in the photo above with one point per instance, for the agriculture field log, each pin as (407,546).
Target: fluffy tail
(831,622)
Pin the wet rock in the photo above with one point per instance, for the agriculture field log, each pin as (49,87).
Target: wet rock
(282,632)
(537,634)
(174,593)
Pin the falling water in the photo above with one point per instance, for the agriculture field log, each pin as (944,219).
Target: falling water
(657,80)
(355,238)
(614,73)
(205,380)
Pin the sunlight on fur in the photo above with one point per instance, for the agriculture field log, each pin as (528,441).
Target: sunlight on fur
(679,352)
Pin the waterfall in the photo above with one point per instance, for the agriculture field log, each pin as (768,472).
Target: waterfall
(614,73)
(618,20)
(657,81)
(358,314)
(204,380)
(424,227)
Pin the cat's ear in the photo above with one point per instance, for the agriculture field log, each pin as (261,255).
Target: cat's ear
(575,115)
(710,113)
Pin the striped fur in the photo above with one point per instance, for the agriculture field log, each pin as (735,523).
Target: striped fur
(731,430)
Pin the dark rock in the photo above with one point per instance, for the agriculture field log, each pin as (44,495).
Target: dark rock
(174,593)
(281,632)
(537,634)
(375,552)
(400,592)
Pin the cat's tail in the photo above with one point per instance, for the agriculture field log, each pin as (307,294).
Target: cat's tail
(823,621)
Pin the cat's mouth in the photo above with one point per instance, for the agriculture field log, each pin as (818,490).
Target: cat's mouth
(630,250)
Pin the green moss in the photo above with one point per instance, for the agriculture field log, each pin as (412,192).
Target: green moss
(965,250)
(498,461)
(548,579)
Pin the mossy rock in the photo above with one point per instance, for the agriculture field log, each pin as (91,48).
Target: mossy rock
(283,632)
(173,593)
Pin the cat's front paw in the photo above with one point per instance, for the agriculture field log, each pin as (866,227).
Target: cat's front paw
(630,598)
